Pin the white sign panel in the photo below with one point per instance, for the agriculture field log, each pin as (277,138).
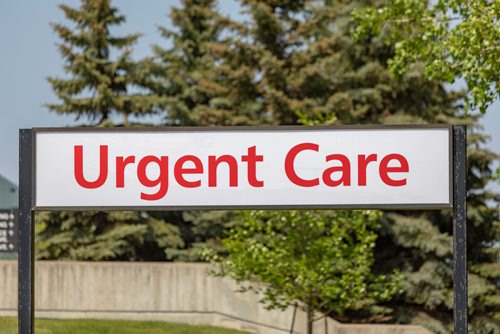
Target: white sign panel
(385,167)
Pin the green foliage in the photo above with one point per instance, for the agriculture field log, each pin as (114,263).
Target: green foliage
(453,38)
(273,66)
(114,235)
(423,242)
(327,76)
(365,91)
(321,258)
(186,77)
(296,62)
(204,229)
(97,84)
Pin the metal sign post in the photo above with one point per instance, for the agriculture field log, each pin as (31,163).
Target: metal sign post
(26,255)
(441,165)
(459,229)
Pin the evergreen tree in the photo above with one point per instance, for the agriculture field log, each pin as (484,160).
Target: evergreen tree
(190,84)
(222,72)
(100,236)
(98,87)
(98,84)
(186,76)
(261,59)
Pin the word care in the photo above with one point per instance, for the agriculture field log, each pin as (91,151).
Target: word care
(303,167)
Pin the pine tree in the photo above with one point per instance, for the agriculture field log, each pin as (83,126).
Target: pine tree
(232,77)
(192,87)
(260,61)
(98,84)
(100,236)
(186,76)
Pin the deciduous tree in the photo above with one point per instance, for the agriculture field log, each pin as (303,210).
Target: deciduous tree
(452,38)
(321,258)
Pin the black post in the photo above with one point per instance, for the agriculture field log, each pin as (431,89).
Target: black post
(293,317)
(459,229)
(26,269)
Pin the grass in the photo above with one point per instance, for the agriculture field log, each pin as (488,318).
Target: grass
(85,326)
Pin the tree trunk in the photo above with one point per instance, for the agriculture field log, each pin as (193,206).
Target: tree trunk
(104,115)
(124,119)
(310,316)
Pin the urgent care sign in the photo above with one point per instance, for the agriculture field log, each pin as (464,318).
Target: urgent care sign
(282,167)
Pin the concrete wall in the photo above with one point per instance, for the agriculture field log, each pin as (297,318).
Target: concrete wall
(178,292)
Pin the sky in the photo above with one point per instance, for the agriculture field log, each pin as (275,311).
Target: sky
(28,54)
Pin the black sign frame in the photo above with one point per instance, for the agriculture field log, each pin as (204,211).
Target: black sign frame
(26,247)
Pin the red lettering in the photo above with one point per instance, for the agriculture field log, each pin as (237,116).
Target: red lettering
(345,168)
(289,165)
(231,162)
(120,169)
(251,159)
(188,170)
(180,171)
(363,162)
(162,179)
(103,167)
(384,169)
